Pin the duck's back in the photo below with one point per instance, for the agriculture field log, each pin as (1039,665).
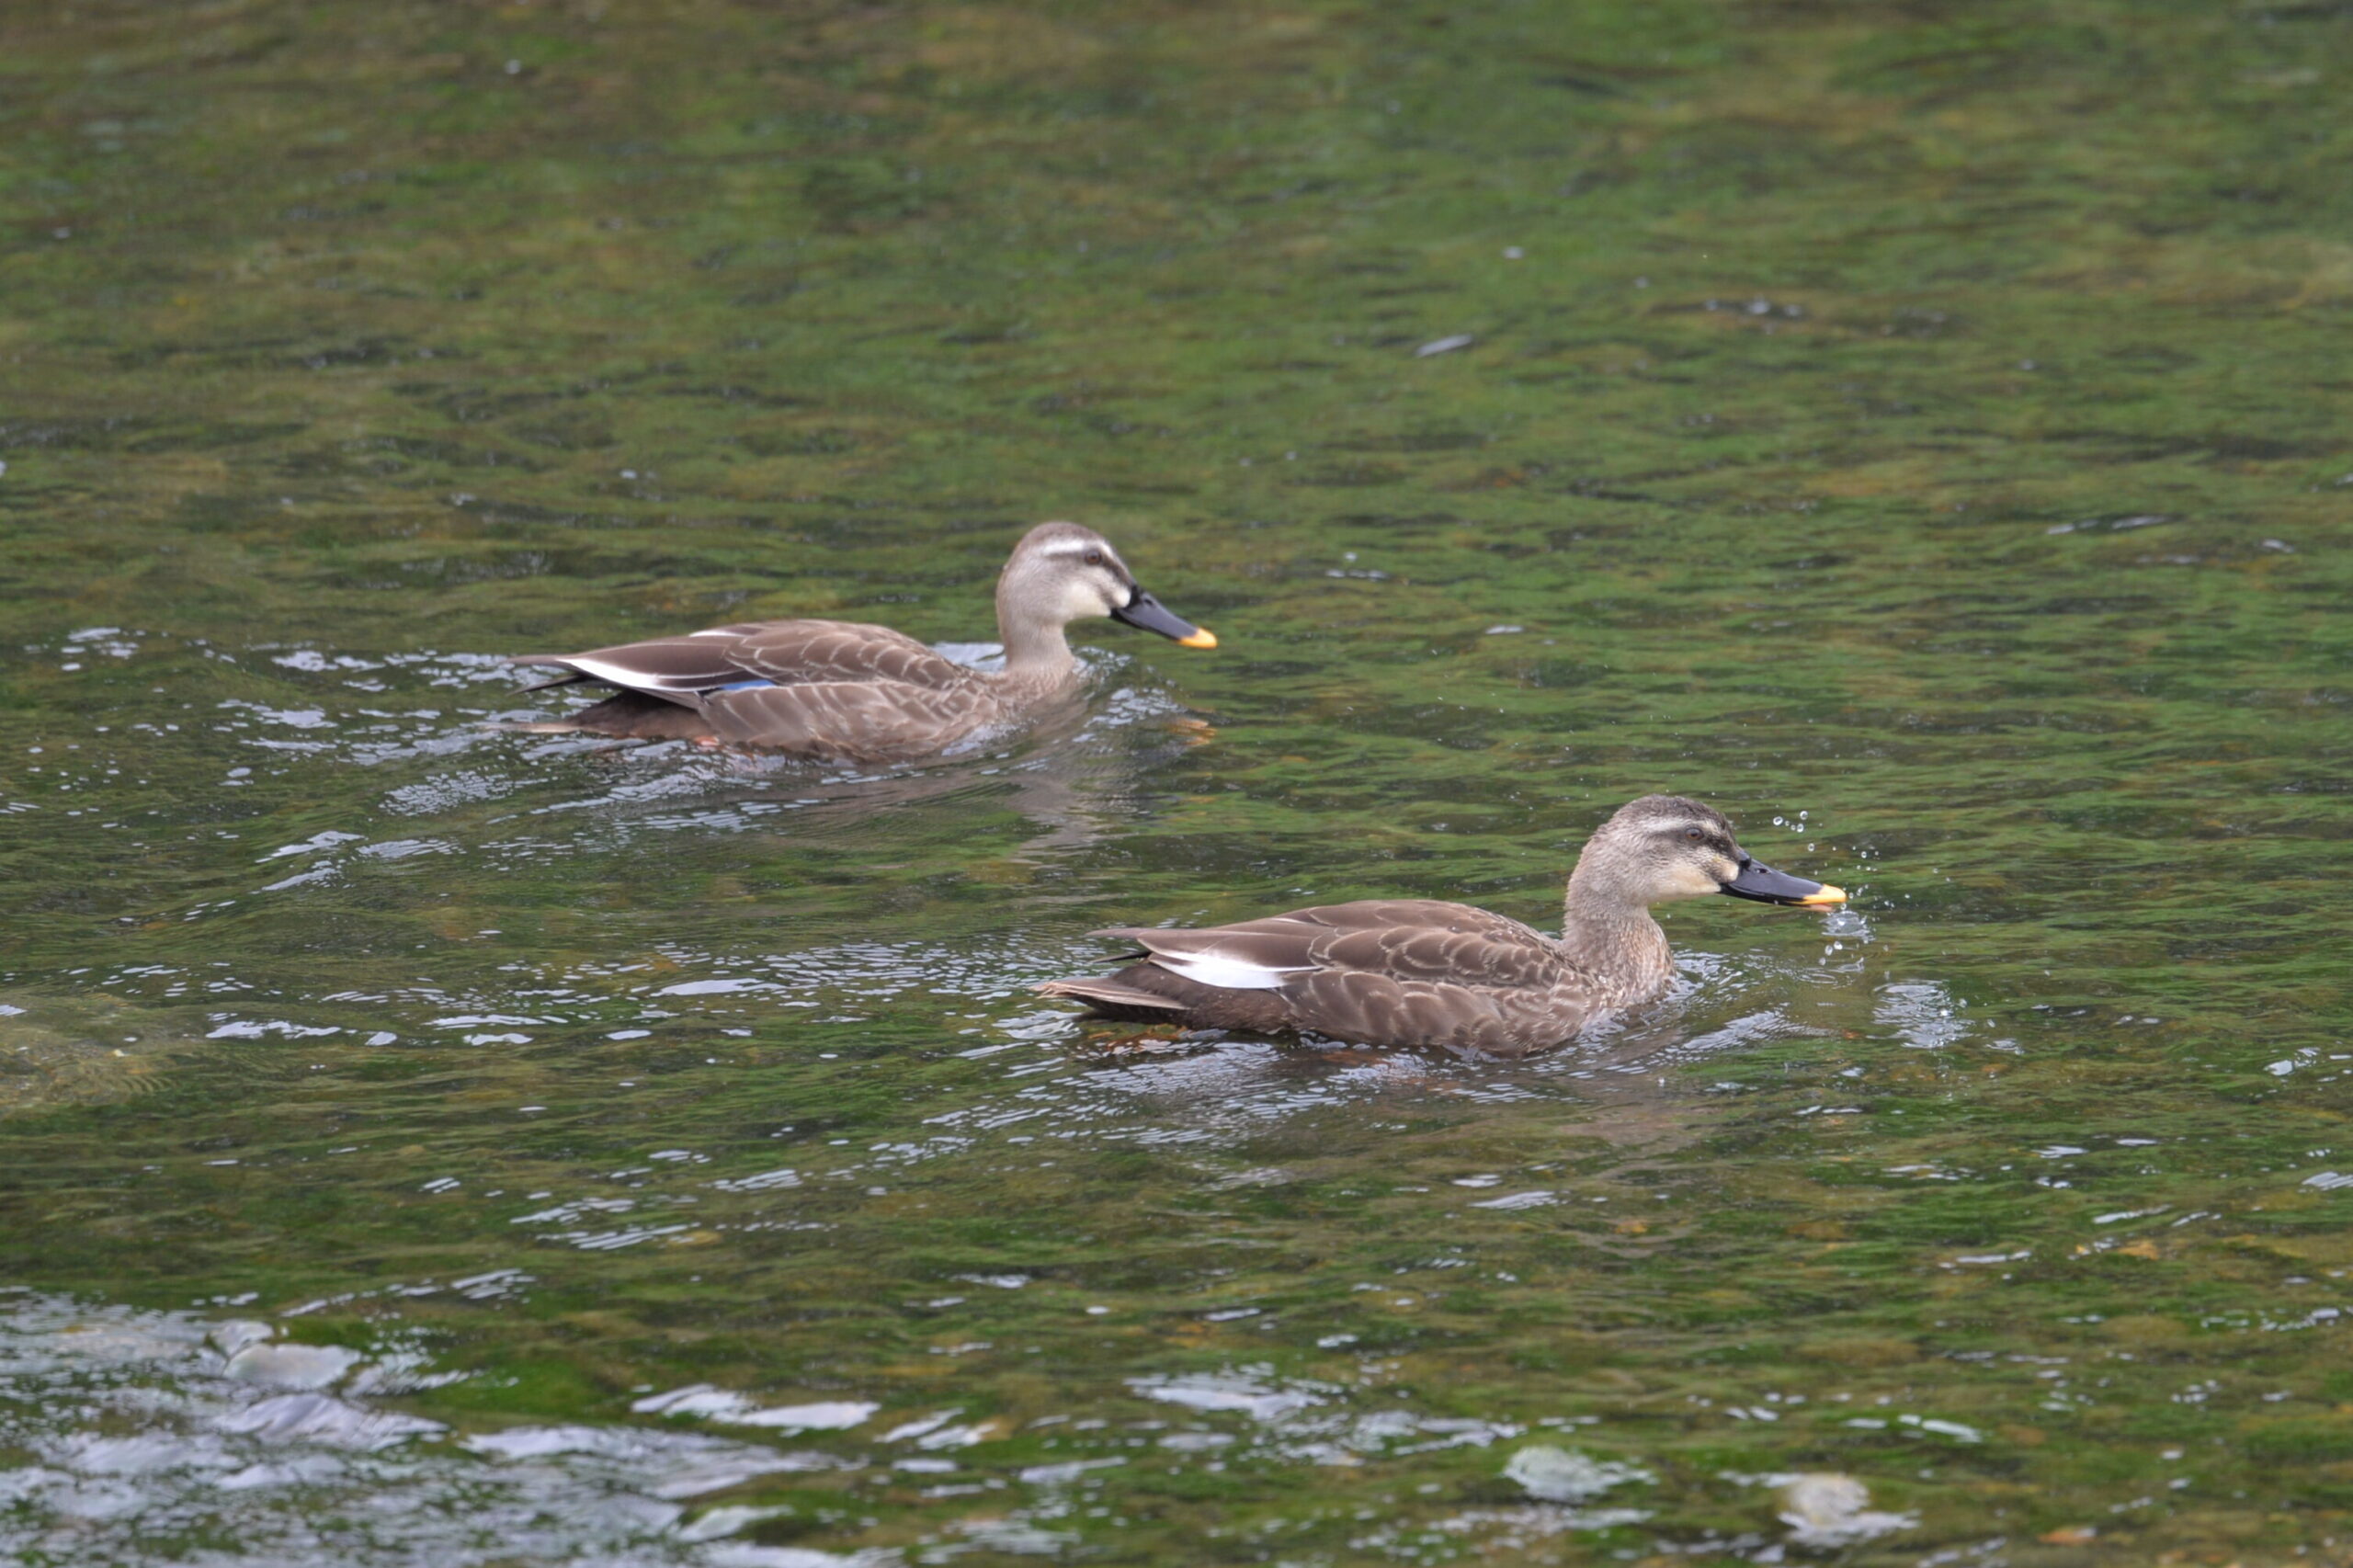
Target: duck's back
(796,653)
(1378,972)
(780,652)
(833,688)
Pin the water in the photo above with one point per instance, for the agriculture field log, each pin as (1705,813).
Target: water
(1919,432)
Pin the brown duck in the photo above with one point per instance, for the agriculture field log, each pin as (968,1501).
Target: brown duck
(850,692)
(1419,971)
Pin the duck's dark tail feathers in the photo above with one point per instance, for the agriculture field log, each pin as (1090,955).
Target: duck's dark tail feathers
(1111,998)
(565,675)
(573,679)
(627,715)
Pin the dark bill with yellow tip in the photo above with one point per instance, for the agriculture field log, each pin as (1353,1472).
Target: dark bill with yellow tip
(1150,615)
(1766,885)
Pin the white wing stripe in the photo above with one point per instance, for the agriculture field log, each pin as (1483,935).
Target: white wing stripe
(623,675)
(1225,973)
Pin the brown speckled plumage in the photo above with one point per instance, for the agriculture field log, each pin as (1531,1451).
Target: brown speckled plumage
(1421,972)
(848,691)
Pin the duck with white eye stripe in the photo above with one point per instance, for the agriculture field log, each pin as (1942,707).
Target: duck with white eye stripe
(852,692)
(1419,971)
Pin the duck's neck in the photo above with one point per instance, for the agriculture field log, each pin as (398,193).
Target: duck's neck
(1036,651)
(1615,941)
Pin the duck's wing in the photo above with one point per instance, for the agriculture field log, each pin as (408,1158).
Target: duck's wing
(686,669)
(674,668)
(793,652)
(1423,941)
(1383,971)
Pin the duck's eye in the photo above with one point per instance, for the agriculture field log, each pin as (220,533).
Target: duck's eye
(1095,558)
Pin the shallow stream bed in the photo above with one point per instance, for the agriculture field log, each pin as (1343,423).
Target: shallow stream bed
(1920,430)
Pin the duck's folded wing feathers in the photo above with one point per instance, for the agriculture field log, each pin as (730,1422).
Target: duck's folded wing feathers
(781,653)
(1382,971)
(1421,941)
(1255,955)
(794,652)
(673,668)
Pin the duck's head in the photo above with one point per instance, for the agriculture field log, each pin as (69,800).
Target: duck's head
(1061,571)
(1664,847)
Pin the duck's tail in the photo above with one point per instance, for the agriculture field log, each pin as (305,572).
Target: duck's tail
(1110,998)
(561,663)
(626,715)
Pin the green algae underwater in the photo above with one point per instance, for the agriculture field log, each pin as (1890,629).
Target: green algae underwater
(1919,429)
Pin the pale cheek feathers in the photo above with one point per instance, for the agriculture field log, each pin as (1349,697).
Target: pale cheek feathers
(1082,597)
(1690,880)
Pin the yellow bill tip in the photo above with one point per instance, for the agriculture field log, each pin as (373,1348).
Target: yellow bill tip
(1827,894)
(1202,637)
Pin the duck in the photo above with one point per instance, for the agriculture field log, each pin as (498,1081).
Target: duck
(846,691)
(1426,973)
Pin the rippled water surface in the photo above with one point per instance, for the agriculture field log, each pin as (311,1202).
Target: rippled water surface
(1920,430)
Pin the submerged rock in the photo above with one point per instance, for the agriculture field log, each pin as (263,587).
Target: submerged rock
(1565,1475)
(1827,1509)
